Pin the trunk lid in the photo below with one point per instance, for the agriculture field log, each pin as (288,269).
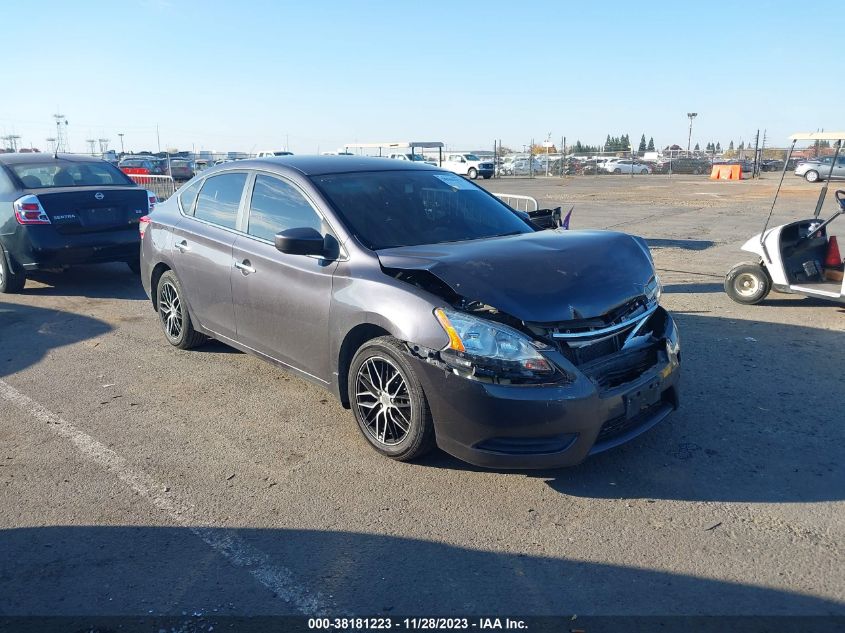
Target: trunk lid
(75,210)
(542,277)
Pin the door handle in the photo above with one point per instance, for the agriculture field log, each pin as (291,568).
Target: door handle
(245,267)
(183,246)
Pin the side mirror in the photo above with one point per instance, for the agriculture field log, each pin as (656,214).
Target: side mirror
(300,241)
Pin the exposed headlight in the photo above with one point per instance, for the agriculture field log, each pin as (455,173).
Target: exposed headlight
(653,289)
(487,349)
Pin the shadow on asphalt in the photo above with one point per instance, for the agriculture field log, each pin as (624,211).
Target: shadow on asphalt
(693,288)
(172,570)
(27,333)
(687,245)
(759,421)
(102,281)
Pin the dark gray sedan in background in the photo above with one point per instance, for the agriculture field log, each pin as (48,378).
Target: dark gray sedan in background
(434,311)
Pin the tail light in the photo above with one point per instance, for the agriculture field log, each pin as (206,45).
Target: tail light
(151,201)
(143,223)
(28,210)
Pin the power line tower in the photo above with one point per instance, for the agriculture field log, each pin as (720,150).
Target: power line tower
(61,133)
(52,142)
(11,141)
(104,145)
(91,142)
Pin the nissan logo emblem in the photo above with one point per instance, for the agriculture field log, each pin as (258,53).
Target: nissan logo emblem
(99,196)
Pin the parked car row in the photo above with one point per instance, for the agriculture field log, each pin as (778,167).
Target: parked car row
(179,169)
(361,276)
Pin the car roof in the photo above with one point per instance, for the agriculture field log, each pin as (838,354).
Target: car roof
(46,158)
(322,165)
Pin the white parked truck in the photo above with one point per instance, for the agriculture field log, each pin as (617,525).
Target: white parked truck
(468,164)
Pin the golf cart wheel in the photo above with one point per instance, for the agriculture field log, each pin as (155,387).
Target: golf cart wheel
(812,176)
(748,283)
(473,173)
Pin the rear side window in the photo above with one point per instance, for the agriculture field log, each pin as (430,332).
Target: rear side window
(277,206)
(67,174)
(189,196)
(219,199)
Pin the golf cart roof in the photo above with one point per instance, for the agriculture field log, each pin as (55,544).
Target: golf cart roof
(817,136)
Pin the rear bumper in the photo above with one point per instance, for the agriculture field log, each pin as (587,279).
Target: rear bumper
(35,247)
(548,426)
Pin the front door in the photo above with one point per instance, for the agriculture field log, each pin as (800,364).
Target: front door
(282,301)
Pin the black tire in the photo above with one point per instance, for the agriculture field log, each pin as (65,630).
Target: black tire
(617,171)
(368,398)
(812,176)
(12,277)
(488,176)
(748,283)
(173,313)
(472,173)
(135,266)
(696,171)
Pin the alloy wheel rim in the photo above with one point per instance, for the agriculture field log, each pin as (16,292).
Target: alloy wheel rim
(170,311)
(383,401)
(747,284)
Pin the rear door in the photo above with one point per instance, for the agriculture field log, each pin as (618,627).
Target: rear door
(282,301)
(202,250)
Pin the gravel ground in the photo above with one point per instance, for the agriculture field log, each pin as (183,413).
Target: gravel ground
(136,478)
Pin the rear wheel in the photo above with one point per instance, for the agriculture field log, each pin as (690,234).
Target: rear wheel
(12,276)
(173,313)
(812,176)
(747,283)
(388,401)
(617,171)
(472,173)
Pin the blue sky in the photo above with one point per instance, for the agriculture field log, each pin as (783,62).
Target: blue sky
(249,75)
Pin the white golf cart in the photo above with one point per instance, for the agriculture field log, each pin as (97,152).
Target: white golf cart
(792,257)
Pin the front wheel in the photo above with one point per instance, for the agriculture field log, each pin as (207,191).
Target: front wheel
(812,176)
(173,313)
(747,283)
(388,401)
(617,171)
(472,173)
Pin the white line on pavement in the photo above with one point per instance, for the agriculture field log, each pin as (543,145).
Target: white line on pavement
(225,542)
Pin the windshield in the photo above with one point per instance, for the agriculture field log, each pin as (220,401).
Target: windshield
(385,209)
(471,157)
(415,157)
(93,174)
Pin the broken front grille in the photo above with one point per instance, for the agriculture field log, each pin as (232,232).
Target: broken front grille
(615,348)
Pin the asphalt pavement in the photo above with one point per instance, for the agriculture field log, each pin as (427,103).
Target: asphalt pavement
(139,479)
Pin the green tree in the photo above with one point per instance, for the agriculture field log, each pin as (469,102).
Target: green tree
(697,148)
(642,146)
(718,147)
(650,147)
(731,146)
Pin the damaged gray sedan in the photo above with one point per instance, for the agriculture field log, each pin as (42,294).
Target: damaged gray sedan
(435,312)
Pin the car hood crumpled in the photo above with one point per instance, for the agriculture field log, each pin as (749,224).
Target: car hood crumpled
(542,277)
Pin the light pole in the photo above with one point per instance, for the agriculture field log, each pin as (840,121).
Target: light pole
(691,116)
(120,134)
